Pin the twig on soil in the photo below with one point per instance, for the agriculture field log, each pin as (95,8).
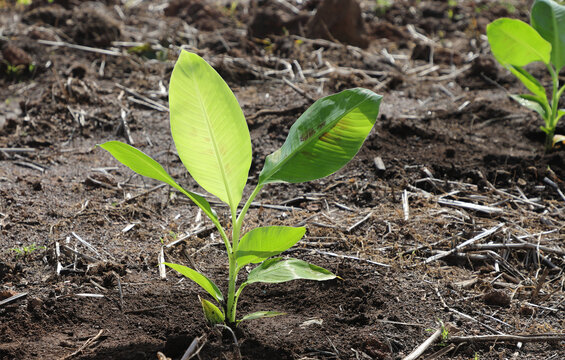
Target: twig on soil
(30,165)
(100,183)
(554,186)
(161,262)
(86,344)
(438,354)
(341,256)
(465,244)
(523,246)
(17,150)
(465,205)
(80,47)
(367,217)
(405,207)
(299,90)
(123,116)
(424,346)
(194,348)
(192,233)
(57,256)
(137,196)
(263,112)
(67,249)
(399,323)
(463,315)
(289,6)
(87,244)
(511,338)
(12,298)
(147,101)
(120,290)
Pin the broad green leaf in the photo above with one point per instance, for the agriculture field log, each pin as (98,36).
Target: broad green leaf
(200,279)
(277,271)
(261,243)
(531,102)
(513,42)
(144,165)
(548,18)
(324,138)
(260,315)
(211,312)
(208,128)
(530,82)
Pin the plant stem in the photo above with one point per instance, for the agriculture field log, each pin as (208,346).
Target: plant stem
(231,305)
(232,280)
(237,222)
(552,120)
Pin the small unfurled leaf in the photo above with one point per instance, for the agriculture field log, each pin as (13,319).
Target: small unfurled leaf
(213,315)
(208,128)
(513,42)
(260,315)
(278,270)
(324,138)
(531,102)
(261,243)
(530,82)
(200,279)
(144,165)
(548,18)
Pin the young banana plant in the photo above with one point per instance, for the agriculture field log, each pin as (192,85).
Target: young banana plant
(213,142)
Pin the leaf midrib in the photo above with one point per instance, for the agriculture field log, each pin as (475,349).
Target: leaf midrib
(214,143)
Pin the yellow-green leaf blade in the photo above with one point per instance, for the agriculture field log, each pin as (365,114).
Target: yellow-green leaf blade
(548,18)
(209,129)
(261,243)
(513,42)
(144,165)
(212,313)
(277,271)
(324,138)
(200,279)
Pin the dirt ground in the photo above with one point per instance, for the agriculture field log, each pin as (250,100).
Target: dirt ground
(450,214)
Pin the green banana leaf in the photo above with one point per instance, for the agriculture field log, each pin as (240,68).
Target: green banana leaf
(263,242)
(324,138)
(277,270)
(548,18)
(144,165)
(513,42)
(209,129)
(200,279)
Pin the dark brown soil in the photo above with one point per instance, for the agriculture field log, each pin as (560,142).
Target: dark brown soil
(447,131)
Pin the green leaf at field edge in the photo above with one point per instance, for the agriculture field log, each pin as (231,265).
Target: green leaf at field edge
(324,138)
(200,279)
(548,18)
(516,43)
